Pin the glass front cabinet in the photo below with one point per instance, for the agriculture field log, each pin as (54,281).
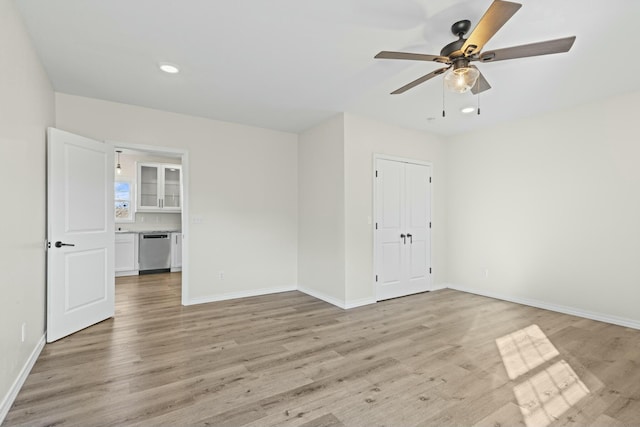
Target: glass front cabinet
(159,187)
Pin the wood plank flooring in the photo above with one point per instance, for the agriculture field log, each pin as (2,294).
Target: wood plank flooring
(443,358)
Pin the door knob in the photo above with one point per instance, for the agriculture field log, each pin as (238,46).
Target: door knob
(410,238)
(59,244)
(404,238)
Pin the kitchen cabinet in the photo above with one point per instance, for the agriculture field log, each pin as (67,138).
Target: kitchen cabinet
(176,251)
(126,254)
(159,187)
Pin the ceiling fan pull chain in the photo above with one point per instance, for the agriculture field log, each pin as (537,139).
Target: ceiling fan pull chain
(478,103)
(443,113)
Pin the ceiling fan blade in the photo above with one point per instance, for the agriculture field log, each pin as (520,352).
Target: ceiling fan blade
(493,19)
(419,81)
(481,84)
(412,56)
(533,49)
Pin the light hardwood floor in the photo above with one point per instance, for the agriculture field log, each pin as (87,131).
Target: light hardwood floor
(434,359)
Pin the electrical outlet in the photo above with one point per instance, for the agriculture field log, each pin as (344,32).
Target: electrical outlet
(486,273)
(24,332)
(221,275)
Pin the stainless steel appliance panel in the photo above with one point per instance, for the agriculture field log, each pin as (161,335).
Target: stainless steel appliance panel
(154,252)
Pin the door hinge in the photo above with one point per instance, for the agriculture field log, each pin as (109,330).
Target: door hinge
(376,277)
(376,225)
(429,224)
(376,174)
(429,179)
(429,270)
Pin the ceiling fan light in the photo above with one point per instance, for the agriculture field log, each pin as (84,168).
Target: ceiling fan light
(461,80)
(169,68)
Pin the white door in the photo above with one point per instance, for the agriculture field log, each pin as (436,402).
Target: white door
(80,269)
(403,238)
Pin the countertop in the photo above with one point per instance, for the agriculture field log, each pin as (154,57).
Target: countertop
(146,231)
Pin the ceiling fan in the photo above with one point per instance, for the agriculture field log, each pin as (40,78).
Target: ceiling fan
(459,54)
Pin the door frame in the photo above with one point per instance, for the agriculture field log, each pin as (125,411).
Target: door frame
(380,156)
(184,156)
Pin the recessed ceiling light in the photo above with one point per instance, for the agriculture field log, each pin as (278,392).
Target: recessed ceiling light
(169,68)
(467,110)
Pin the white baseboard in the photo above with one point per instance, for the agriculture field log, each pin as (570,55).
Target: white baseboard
(337,302)
(615,320)
(359,302)
(324,297)
(11,395)
(127,273)
(353,303)
(438,287)
(241,294)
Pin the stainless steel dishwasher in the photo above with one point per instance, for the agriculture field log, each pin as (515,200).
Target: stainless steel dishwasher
(154,252)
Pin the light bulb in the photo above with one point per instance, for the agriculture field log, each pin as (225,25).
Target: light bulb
(461,79)
(169,68)
(118,169)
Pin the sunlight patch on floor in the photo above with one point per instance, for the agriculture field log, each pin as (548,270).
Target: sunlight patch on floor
(524,350)
(547,395)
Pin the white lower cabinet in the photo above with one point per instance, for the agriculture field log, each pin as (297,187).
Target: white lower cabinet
(176,251)
(126,254)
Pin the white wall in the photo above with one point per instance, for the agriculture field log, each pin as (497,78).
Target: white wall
(243,185)
(550,206)
(363,138)
(321,257)
(26,109)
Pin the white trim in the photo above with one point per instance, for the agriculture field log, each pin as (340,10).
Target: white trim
(607,318)
(377,156)
(184,156)
(241,294)
(374,210)
(322,296)
(185,228)
(11,395)
(359,302)
(127,273)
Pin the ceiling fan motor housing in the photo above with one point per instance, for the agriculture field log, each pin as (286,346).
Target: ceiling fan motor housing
(453,49)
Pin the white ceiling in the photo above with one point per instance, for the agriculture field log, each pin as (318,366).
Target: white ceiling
(290,64)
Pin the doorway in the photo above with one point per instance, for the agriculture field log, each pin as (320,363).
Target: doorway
(156,212)
(402,234)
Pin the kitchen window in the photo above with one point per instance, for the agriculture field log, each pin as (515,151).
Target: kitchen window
(123,201)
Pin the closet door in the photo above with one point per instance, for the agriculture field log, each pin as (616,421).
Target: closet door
(417,218)
(390,219)
(402,234)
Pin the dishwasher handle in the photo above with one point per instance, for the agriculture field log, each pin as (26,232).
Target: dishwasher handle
(155,236)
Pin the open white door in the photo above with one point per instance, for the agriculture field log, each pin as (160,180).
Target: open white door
(80,263)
